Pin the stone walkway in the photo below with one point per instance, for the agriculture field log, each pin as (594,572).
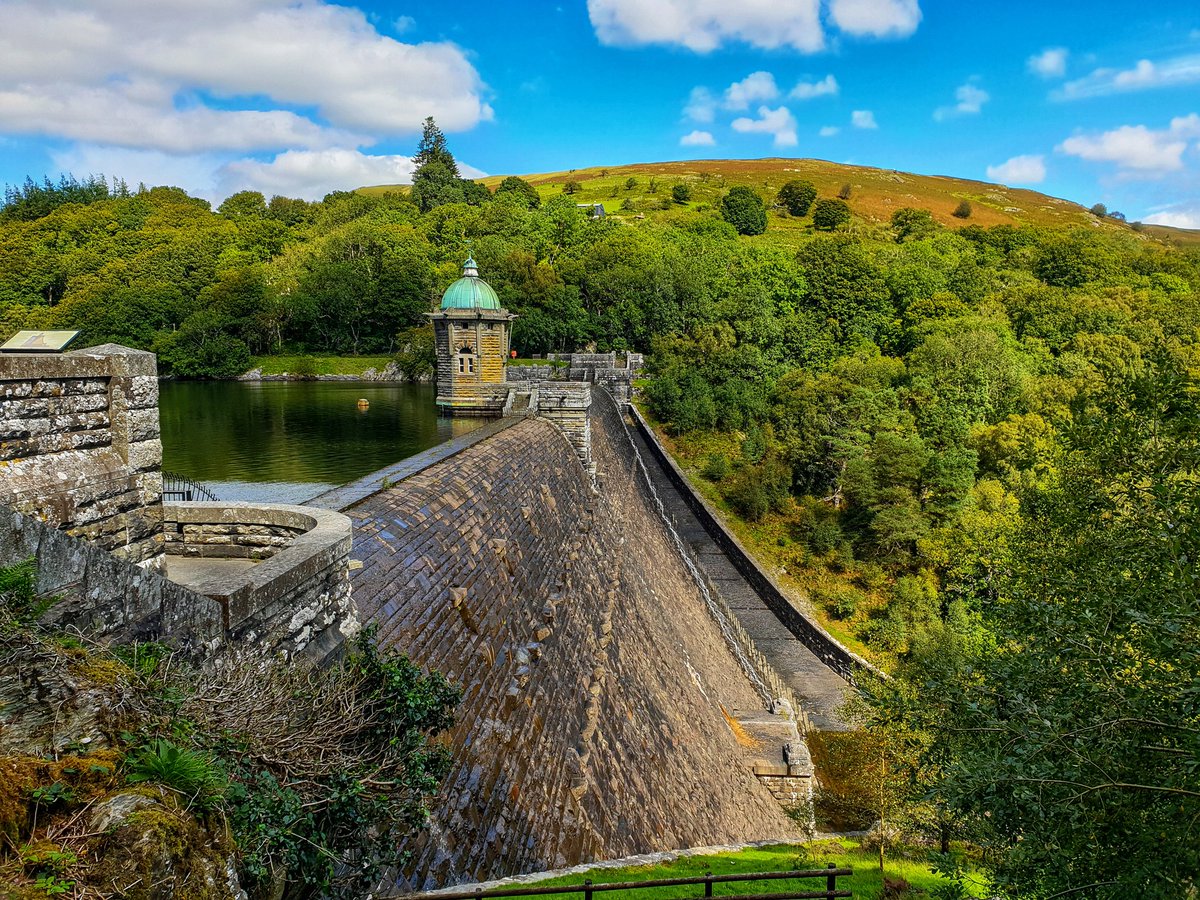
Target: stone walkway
(820,689)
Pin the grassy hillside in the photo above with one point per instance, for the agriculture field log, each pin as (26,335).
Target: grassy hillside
(874,194)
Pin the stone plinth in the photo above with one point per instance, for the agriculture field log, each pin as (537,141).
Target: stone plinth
(80,448)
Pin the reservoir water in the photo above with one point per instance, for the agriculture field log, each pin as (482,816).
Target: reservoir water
(287,441)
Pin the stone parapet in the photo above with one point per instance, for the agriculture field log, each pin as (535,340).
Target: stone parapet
(80,447)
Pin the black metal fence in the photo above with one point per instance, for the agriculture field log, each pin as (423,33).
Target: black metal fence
(829,875)
(181,489)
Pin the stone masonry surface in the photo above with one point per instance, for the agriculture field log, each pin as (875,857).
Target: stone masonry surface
(596,684)
(79,445)
(297,602)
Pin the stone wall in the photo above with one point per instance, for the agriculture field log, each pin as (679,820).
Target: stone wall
(79,445)
(296,603)
(598,690)
(825,646)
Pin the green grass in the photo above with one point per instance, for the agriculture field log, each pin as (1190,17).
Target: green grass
(866,882)
(321,365)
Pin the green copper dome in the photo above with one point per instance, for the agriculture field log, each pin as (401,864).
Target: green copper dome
(470,291)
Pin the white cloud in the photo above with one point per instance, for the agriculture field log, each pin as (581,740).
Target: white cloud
(1180,70)
(237,75)
(876,18)
(1050,63)
(401,24)
(754,88)
(863,118)
(780,123)
(1028,169)
(807,90)
(705,25)
(970,101)
(1176,217)
(829,131)
(701,105)
(1136,149)
(697,139)
(313,174)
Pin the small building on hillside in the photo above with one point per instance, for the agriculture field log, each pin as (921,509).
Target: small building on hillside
(472,334)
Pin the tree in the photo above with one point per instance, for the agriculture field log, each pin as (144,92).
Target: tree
(963,210)
(910,223)
(797,196)
(1075,729)
(520,190)
(571,187)
(1099,210)
(244,204)
(744,210)
(435,175)
(830,214)
(630,183)
(681,193)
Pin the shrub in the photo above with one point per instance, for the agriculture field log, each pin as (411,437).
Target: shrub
(681,193)
(756,490)
(630,183)
(963,210)
(840,601)
(844,192)
(830,214)
(716,467)
(912,223)
(1099,210)
(18,593)
(744,210)
(305,368)
(797,196)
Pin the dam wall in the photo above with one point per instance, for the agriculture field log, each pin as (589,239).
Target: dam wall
(600,698)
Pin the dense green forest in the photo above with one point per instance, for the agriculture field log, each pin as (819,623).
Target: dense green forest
(975,448)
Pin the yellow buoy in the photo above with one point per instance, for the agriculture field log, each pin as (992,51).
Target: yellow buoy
(363,403)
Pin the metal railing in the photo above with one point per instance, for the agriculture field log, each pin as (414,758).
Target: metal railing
(830,875)
(181,489)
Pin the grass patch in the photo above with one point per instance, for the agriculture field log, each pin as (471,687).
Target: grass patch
(866,883)
(318,365)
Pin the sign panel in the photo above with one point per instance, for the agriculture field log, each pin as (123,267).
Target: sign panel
(38,341)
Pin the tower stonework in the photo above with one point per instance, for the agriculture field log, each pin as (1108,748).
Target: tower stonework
(472,338)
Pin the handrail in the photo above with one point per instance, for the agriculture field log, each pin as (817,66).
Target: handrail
(830,874)
(182,489)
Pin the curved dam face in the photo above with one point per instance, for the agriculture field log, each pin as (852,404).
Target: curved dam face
(597,690)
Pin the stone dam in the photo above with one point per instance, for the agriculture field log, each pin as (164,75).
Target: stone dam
(629,684)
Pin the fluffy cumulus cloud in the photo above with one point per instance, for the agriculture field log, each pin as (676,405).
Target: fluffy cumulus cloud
(1136,149)
(754,88)
(1145,75)
(1050,63)
(969,99)
(876,18)
(863,118)
(779,123)
(705,25)
(222,77)
(697,138)
(808,90)
(1029,169)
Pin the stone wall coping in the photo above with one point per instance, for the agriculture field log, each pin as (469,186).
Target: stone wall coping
(355,492)
(326,540)
(829,649)
(103,361)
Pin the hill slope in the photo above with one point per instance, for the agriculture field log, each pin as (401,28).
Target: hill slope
(874,193)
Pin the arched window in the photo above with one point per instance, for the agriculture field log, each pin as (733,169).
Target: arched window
(466,361)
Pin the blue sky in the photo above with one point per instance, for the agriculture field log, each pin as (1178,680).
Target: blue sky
(1093,101)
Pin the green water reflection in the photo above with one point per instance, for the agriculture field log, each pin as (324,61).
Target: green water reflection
(287,441)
